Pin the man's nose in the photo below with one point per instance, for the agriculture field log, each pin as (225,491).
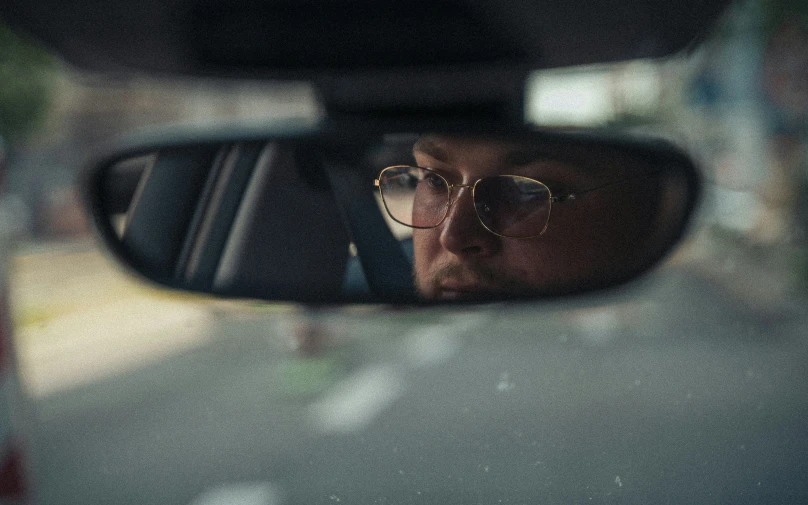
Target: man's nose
(462,233)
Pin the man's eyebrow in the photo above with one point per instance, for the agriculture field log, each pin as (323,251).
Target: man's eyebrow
(521,159)
(525,156)
(430,148)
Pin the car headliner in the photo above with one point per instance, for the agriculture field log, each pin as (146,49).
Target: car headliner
(304,39)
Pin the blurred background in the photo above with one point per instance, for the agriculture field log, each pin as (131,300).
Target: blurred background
(93,340)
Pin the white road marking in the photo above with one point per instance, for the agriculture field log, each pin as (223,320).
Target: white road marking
(247,493)
(357,400)
(437,343)
(430,346)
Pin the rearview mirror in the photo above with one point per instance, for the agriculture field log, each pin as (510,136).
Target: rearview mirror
(349,213)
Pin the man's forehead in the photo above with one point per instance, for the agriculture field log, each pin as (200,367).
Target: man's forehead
(448,148)
(530,157)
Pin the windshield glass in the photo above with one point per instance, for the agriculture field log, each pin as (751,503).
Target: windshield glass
(685,387)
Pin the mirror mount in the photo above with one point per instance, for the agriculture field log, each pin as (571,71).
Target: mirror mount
(473,94)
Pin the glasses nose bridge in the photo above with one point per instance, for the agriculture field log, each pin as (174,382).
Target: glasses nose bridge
(453,195)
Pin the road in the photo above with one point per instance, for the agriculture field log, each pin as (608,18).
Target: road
(671,392)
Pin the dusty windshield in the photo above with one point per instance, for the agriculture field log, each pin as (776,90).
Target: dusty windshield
(686,387)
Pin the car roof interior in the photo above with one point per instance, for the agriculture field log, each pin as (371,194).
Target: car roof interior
(297,37)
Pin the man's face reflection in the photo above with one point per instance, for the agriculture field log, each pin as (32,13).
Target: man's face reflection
(461,259)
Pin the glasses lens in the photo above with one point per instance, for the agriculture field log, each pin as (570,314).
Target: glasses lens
(512,206)
(414,196)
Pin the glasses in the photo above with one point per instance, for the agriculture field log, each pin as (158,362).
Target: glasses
(510,206)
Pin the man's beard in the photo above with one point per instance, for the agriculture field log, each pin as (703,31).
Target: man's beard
(492,284)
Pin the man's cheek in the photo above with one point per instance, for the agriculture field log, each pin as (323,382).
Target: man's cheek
(423,280)
(531,260)
(421,260)
(425,244)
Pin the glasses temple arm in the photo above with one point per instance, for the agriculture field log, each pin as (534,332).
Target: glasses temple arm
(572,196)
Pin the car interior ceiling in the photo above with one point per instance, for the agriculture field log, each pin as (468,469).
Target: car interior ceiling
(203,40)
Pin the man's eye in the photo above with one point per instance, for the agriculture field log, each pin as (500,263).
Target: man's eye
(434,181)
(408,181)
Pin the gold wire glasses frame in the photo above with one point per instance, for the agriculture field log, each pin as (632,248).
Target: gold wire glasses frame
(449,187)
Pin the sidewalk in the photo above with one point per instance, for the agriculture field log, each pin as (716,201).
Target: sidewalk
(79,317)
(767,279)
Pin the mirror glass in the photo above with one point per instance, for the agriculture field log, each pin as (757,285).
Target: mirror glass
(397,217)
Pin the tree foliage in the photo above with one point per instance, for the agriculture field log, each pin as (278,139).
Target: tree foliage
(26,75)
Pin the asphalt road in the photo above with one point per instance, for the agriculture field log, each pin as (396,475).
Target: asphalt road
(674,392)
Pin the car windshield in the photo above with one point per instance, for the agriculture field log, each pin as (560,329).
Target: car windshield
(687,386)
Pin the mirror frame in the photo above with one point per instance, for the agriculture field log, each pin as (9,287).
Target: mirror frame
(343,131)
